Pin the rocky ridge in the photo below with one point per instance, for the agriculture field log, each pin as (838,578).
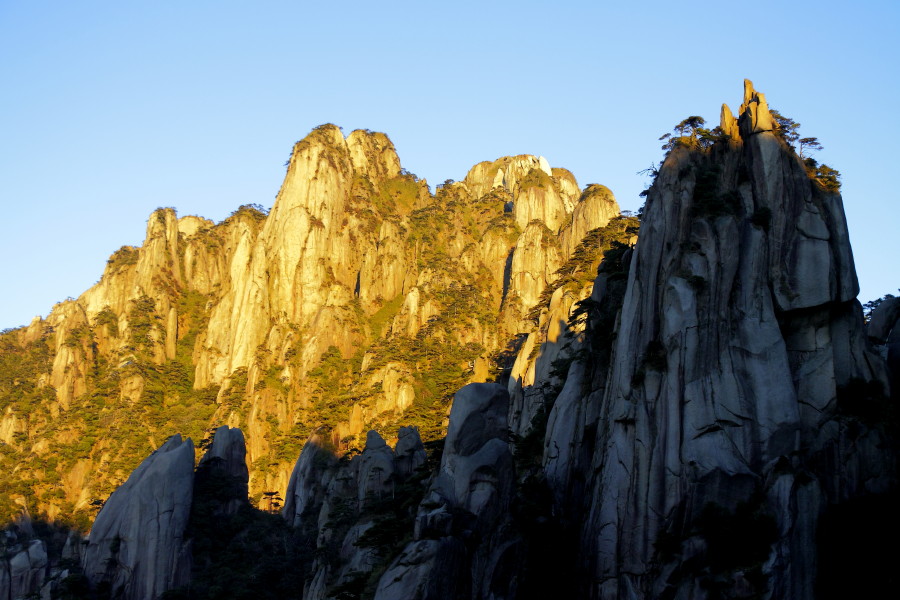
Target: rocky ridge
(699,416)
(359,298)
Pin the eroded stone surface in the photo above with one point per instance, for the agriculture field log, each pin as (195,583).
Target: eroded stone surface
(137,542)
(736,335)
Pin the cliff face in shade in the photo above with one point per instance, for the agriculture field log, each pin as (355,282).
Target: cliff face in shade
(137,544)
(884,332)
(23,567)
(469,497)
(345,506)
(225,464)
(739,345)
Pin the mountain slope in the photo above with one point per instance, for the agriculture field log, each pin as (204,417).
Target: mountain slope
(362,300)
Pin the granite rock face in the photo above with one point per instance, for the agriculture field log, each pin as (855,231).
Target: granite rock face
(355,255)
(467,500)
(883,330)
(23,567)
(476,468)
(308,482)
(137,544)
(738,340)
(337,503)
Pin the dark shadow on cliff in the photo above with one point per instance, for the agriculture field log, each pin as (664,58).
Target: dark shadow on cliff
(59,572)
(858,551)
(506,358)
(240,551)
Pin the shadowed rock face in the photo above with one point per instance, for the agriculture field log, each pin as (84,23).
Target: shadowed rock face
(137,544)
(23,568)
(335,503)
(469,499)
(225,463)
(738,332)
(308,482)
(884,331)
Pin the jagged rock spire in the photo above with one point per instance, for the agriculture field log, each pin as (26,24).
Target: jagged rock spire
(753,115)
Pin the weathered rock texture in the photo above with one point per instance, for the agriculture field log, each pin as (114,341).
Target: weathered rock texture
(355,509)
(739,345)
(23,567)
(884,332)
(469,498)
(137,544)
(359,298)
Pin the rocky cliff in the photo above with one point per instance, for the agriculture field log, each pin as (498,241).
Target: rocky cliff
(734,414)
(23,566)
(361,300)
(714,414)
(699,413)
(137,547)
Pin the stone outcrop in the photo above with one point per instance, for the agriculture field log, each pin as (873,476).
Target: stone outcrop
(356,255)
(475,468)
(883,331)
(137,544)
(754,116)
(596,207)
(309,480)
(23,567)
(225,464)
(337,503)
(738,340)
(409,452)
(469,497)
(883,320)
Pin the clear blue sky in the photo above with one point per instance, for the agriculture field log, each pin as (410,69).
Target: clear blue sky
(111,109)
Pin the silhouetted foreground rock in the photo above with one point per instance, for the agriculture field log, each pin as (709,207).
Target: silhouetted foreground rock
(136,548)
(729,423)
(468,500)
